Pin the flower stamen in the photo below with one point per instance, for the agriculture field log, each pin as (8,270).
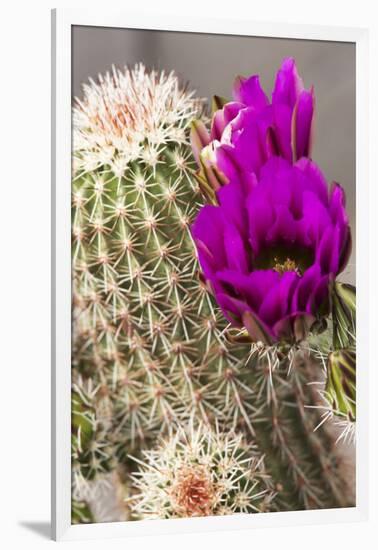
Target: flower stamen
(287,265)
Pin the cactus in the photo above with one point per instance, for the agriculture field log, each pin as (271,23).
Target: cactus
(151,350)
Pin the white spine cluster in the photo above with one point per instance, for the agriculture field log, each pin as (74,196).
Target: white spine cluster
(200,472)
(129,115)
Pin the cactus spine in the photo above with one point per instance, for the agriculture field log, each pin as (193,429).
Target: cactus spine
(149,345)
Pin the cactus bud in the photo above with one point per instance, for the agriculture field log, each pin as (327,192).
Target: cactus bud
(344,315)
(341,382)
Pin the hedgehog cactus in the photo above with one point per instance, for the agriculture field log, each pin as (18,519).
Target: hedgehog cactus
(150,346)
(145,330)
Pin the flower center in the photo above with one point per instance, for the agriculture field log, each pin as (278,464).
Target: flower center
(287,265)
(283,259)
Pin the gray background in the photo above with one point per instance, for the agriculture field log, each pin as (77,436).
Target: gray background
(210,63)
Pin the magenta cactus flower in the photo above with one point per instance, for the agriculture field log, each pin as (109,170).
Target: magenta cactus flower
(272,247)
(249,130)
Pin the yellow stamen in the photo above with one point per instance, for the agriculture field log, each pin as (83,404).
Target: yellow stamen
(287,265)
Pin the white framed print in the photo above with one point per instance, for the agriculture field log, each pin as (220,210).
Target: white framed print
(210,290)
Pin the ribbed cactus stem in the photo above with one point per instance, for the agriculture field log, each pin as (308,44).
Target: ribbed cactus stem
(300,452)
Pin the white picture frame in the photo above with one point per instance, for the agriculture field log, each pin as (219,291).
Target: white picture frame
(62,22)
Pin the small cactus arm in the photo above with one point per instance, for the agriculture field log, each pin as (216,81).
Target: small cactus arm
(149,345)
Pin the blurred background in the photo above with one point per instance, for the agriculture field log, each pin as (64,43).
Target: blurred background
(209,64)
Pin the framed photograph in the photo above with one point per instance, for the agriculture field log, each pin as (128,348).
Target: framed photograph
(210,291)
